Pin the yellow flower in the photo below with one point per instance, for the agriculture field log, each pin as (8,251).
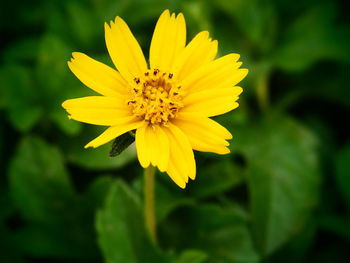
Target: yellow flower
(168,103)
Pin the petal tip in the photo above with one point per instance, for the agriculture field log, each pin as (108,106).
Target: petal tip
(64,104)
(182,186)
(88,146)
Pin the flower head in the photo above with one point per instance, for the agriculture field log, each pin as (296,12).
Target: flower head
(169,103)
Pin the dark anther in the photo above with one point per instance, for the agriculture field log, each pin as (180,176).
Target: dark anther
(137,80)
(146,74)
(173,108)
(170,75)
(175,93)
(136,90)
(155,72)
(171,103)
(132,101)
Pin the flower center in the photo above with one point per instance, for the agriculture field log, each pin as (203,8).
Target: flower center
(156,97)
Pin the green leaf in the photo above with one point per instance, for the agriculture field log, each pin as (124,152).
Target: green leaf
(216,178)
(59,116)
(343,173)
(59,223)
(39,182)
(191,256)
(52,70)
(167,196)
(283,178)
(120,226)
(256,19)
(9,250)
(84,26)
(222,233)
(121,143)
(97,159)
(313,37)
(18,96)
(97,191)
(335,224)
(24,50)
(167,201)
(41,240)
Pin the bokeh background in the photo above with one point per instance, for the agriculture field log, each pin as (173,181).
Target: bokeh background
(282,195)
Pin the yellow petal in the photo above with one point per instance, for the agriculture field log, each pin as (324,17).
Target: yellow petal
(95,102)
(124,49)
(152,146)
(217,104)
(220,73)
(162,143)
(203,133)
(98,110)
(168,41)
(197,53)
(205,95)
(97,76)
(181,163)
(113,132)
(174,174)
(142,146)
(206,124)
(104,117)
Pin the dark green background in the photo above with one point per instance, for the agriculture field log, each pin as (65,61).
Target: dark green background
(282,195)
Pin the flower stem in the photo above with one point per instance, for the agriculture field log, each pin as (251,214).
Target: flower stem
(263,92)
(149,202)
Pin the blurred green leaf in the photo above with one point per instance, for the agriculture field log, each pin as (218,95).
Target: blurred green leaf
(59,116)
(343,174)
(222,233)
(24,50)
(97,191)
(167,196)
(191,256)
(283,178)
(335,224)
(200,12)
(52,70)
(256,19)
(312,37)
(8,250)
(39,182)
(18,97)
(298,248)
(167,201)
(96,159)
(59,222)
(120,226)
(216,178)
(84,23)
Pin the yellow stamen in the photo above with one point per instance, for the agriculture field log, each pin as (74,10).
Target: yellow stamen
(156,97)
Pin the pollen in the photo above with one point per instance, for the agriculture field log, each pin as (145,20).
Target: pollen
(156,97)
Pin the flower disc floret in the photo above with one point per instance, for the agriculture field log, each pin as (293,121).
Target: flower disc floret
(156,97)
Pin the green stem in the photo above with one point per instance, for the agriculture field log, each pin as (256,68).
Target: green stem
(263,92)
(149,205)
(262,85)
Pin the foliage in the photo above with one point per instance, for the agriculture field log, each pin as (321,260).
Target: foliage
(282,195)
